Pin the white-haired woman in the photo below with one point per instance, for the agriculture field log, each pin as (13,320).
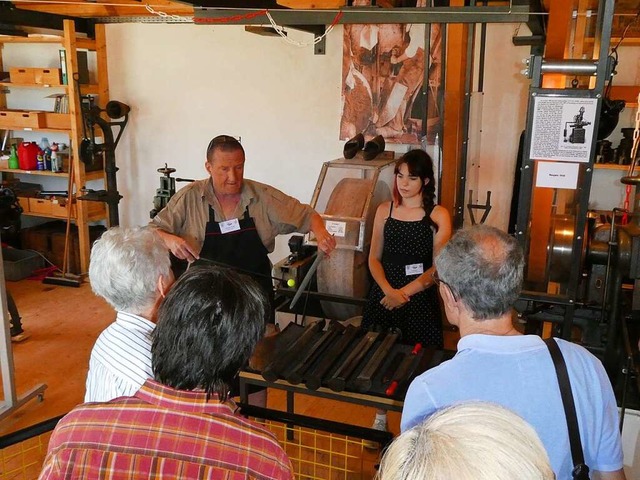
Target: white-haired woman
(468,441)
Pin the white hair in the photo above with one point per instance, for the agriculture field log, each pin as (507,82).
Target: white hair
(126,264)
(468,441)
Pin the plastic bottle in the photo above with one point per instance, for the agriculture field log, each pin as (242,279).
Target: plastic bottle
(40,161)
(13,158)
(56,162)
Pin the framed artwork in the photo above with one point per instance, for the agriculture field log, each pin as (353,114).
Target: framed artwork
(390,87)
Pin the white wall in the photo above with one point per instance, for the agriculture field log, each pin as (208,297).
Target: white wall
(187,83)
(498,115)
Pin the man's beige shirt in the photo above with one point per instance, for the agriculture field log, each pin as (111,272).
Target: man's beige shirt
(274,212)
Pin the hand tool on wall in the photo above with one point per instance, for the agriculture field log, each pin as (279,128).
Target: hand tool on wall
(364,379)
(275,368)
(405,370)
(339,379)
(314,377)
(303,362)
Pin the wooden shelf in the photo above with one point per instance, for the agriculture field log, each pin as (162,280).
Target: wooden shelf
(69,123)
(96,175)
(610,166)
(87,43)
(96,217)
(87,89)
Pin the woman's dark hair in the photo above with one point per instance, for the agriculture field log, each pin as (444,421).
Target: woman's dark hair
(208,327)
(420,165)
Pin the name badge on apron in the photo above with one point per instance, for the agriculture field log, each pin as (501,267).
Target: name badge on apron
(229,226)
(414,269)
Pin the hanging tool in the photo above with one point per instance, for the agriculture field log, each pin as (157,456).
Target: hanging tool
(474,206)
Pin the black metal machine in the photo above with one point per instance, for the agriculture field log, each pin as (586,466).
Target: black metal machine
(578,133)
(90,151)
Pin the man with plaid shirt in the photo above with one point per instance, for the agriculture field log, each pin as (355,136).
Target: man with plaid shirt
(180,425)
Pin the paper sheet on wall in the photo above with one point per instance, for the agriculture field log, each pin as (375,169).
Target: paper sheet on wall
(563,128)
(557,175)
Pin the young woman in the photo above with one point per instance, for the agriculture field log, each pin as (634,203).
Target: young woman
(407,233)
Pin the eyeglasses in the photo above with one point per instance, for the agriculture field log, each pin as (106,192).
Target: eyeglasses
(438,281)
(222,140)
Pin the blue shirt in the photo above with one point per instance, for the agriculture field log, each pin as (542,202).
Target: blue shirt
(517,372)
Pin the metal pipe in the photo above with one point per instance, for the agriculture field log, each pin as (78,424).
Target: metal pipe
(570,67)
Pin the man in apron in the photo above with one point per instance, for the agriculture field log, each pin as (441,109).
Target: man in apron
(232,220)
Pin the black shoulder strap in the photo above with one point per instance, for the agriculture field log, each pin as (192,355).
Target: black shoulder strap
(390,208)
(577,456)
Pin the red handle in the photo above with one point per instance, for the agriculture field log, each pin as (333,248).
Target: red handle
(416,349)
(392,388)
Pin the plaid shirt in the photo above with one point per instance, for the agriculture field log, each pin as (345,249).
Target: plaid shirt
(162,433)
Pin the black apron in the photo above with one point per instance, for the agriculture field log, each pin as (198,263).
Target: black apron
(241,249)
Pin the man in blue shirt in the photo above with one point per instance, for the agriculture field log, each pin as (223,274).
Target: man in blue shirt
(479,273)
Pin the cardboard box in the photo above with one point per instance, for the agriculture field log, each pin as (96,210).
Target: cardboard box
(22,75)
(48,239)
(19,264)
(14,119)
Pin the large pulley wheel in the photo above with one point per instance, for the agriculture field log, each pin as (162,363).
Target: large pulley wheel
(345,272)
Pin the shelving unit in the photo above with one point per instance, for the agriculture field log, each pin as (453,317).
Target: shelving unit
(69,123)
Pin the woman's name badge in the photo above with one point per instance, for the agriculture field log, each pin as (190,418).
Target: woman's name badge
(414,269)
(229,226)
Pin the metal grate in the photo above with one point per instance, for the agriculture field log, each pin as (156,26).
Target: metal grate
(23,460)
(318,455)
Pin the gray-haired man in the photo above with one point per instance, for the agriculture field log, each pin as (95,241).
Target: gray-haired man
(480,274)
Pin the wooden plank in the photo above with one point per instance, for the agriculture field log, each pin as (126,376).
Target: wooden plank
(115,8)
(3,97)
(311,4)
(103,76)
(453,133)
(628,93)
(75,139)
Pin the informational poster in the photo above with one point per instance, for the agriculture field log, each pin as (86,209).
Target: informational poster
(557,175)
(563,128)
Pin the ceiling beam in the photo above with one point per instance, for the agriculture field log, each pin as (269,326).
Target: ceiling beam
(26,18)
(248,16)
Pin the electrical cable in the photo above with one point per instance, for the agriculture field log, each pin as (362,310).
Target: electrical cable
(280,31)
(614,53)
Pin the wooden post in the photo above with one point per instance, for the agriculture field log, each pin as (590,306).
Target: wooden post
(454,101)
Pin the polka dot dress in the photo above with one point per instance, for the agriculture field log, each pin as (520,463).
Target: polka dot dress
(419,320)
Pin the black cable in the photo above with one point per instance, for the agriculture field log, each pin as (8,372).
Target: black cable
(614,52)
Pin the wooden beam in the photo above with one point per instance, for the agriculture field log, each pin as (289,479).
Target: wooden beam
(124,8)
(628,93)
(311,4)
(454,101)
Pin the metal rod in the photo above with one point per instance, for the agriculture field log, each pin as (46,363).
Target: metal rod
(570,67)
